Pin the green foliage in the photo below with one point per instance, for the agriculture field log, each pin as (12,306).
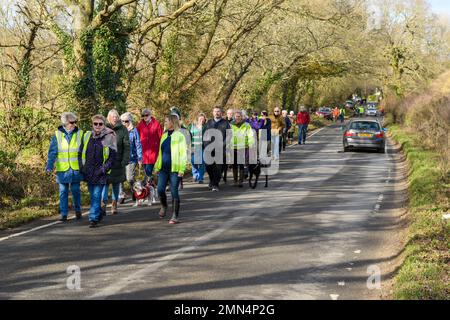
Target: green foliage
(261,88)
(24,79)
(65,42)
(24,127)
(165,78)
(84,86)
(109,55)
(424,273)
(290,89)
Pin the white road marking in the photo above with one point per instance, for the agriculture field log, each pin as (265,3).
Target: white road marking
(38,228)
(152,268)
(28,231)
(357,251)
(349,269)
(308,136)
(334,296)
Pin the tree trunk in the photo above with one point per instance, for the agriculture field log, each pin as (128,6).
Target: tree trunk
(83,72)
(228,88)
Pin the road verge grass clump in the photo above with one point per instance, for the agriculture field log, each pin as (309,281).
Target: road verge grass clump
(424,273)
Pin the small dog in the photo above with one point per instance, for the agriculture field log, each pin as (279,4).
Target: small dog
(142,192)
(255,170)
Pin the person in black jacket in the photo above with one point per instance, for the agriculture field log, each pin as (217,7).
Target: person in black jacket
(214,166)
(287,126)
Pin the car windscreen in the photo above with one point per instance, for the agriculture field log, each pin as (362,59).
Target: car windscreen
(365,126)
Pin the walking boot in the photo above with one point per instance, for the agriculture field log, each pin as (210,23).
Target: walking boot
(114,207)
(176,210)
(163,210)
(103,210)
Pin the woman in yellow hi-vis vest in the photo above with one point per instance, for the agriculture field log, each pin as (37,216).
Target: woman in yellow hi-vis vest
(98,152)
(170,165)
(63,154)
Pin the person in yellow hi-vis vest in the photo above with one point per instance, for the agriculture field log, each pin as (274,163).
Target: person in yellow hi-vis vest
(171,165)
(241,140)
(98,153)
(63,155)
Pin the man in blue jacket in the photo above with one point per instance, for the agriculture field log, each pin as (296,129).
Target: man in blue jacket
(64,152)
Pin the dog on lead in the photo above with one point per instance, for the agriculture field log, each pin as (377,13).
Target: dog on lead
(142,192)
(255,170)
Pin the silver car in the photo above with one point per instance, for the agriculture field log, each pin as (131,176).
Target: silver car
(371,111)
(364,133)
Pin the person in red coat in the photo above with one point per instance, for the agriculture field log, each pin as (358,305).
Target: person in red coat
(150,133)
(303,120)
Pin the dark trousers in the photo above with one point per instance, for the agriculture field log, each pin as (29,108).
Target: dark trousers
(214,171)
(238,168)
(283,139)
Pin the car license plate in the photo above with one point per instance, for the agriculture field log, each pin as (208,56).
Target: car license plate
(365,135)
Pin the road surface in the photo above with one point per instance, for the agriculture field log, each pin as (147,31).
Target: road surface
(321,230)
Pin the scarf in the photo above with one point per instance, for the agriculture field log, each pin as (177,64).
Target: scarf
(108,137)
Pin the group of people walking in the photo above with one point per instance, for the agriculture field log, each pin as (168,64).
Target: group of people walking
(110,153)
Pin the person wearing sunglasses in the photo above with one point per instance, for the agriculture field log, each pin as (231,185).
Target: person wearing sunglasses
(150,132)
(63,154)
(135,153)
(98,152)
(117,175)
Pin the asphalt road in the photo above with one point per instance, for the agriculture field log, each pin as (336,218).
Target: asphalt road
(324,225)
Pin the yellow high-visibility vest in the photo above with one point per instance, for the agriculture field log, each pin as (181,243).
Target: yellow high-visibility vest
(68,152)
(242,136)
(87,136)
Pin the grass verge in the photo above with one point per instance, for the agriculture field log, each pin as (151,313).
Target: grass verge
(30,209)
(424,273)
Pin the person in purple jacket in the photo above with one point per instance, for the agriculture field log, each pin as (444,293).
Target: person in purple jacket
(98,153)
(255,122)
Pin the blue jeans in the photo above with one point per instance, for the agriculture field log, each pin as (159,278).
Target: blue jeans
(64,197)
(148,168)
(163,179)
(198,170)
(302,130)
(115,192)
(95,190)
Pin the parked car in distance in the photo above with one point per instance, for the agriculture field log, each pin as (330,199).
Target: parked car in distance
(371,111)
(325,112)
(364,133)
